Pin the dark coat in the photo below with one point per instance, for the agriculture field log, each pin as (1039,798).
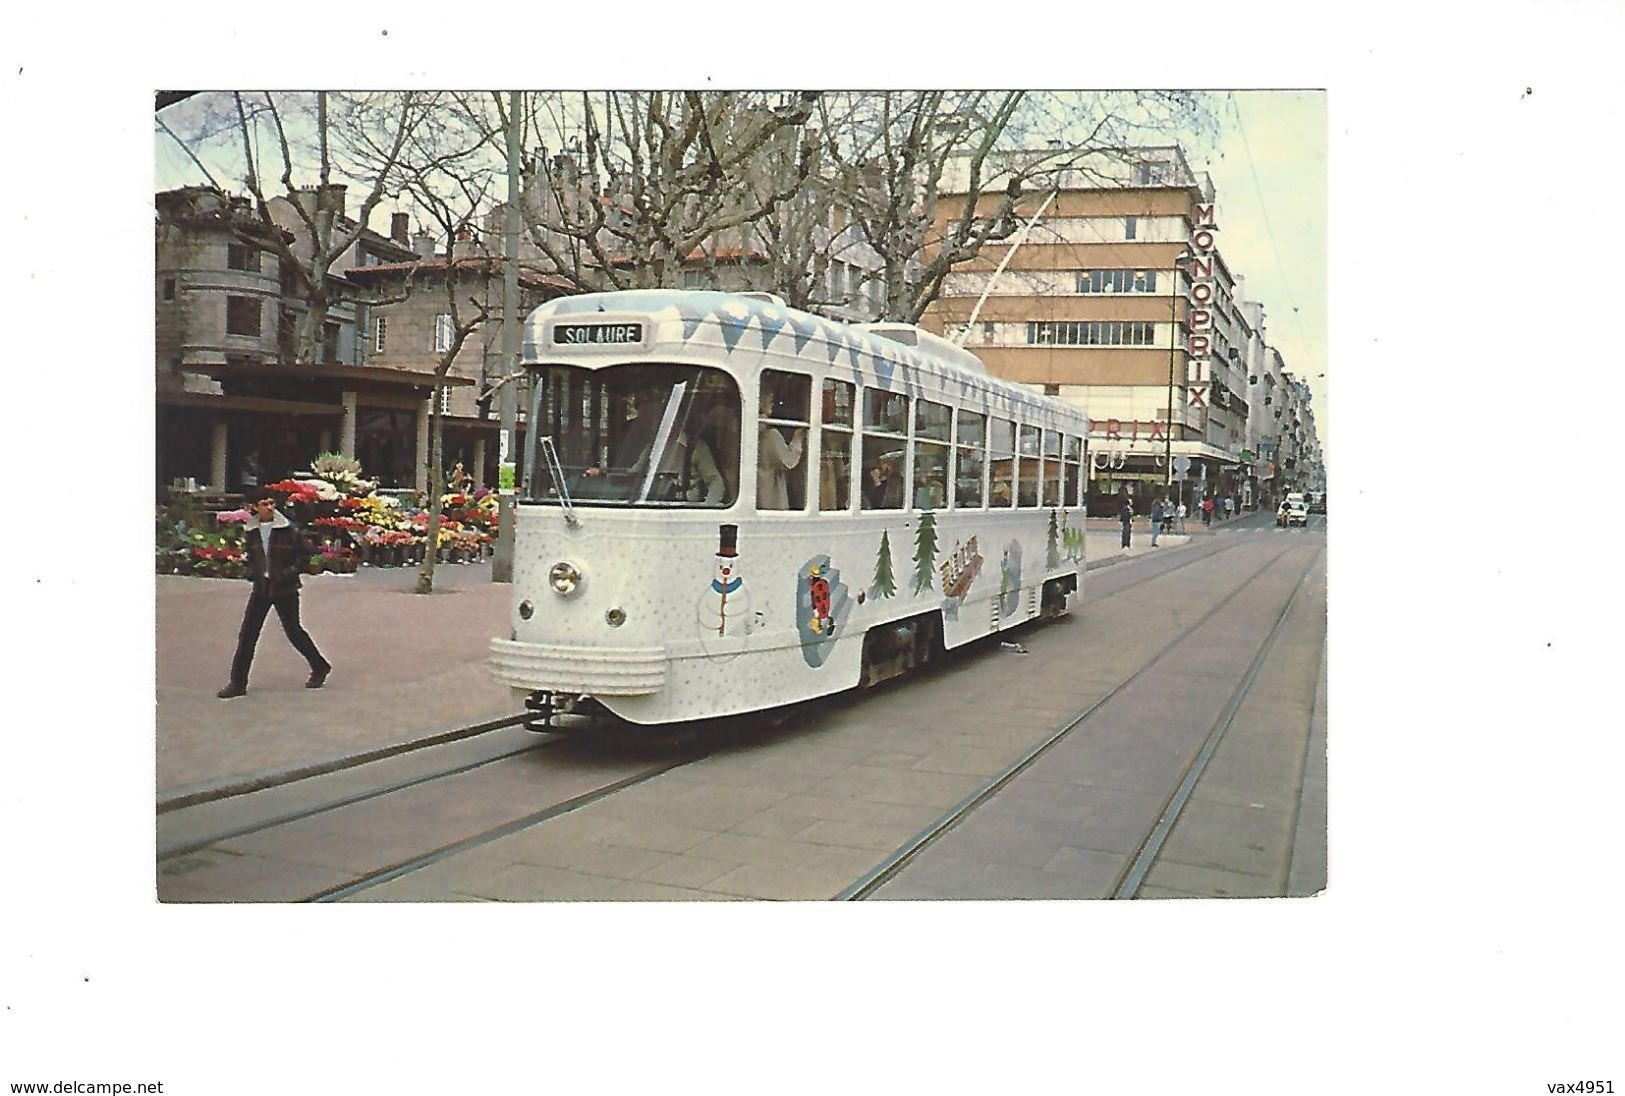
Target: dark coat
(290,553)
(1125,513)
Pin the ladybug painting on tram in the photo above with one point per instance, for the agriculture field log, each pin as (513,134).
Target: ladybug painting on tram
(730,505)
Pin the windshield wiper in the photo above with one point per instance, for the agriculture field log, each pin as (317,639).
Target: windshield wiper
(556,470)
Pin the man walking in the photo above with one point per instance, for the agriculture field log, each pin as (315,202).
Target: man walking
(1125,514)
(276,552)
(1156,521)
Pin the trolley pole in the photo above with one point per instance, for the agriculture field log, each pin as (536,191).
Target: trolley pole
(507,399)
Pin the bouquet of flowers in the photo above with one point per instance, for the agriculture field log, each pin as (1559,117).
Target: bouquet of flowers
(341,473)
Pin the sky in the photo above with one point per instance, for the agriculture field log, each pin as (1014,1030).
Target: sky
(1468,940)
(1269,175)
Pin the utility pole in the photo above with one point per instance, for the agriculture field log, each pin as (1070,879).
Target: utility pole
(507,400)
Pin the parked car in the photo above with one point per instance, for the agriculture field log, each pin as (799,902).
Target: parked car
(1317,502)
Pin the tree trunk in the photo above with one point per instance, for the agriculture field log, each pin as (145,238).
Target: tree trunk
(426,568)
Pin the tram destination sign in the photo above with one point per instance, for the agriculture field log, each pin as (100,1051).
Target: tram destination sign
(597,334)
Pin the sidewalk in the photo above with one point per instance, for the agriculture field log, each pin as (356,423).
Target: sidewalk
(405,668)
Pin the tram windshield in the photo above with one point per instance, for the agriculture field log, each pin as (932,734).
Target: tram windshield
(635,435)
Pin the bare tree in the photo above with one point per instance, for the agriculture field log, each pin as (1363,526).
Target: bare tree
(448,174)
(652,178)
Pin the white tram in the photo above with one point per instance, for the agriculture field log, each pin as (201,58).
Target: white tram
(731,505)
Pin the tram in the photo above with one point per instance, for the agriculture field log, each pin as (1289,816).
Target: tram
(731,505)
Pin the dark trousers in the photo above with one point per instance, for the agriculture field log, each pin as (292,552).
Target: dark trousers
(287,610)
(1127,530)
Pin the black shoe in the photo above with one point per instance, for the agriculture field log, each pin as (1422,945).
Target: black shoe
(318,678)
(231,690)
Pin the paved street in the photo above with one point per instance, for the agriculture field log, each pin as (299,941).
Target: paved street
(802,813)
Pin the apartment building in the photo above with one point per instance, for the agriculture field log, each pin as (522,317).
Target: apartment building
(233,404)
(419,305)
(1117,299)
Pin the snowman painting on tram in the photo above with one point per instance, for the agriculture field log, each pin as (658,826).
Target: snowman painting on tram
(723,610)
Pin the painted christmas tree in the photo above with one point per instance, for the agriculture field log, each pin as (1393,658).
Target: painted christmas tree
(925,553)
(884,585)
(1052,554)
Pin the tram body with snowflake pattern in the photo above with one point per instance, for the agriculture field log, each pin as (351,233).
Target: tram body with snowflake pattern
(730,505)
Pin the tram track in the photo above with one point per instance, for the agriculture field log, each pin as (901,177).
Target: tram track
(1133,875)
(1145,858)
(1144,569)
(438,852)
(445,852)
(215,837)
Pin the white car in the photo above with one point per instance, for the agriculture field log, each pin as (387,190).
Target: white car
(1294,511)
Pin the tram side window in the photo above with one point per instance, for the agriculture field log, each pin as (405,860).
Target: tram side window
(932,425)
(970,464)
(1071,471)
(784,414)
(1001,459)
(835,461)
(1052,468)
(1027,485)
(885,442)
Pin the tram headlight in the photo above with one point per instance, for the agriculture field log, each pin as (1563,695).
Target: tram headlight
(615,617)
(565,578)
(526,609)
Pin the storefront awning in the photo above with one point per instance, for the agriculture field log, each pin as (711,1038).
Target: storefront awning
(260,405)
(347,375)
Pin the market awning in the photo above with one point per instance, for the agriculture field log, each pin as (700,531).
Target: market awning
(349,375)
(253,404)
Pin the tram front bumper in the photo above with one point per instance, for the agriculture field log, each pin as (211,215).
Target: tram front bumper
(593,671)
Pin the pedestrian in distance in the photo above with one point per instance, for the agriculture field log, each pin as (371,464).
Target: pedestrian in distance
(1125,514)
(276,552)
(1180,517)
(1207,510)
(1156,521)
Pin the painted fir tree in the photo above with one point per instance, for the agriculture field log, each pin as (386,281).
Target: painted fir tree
(884,585)
(1052,554)
(925,553)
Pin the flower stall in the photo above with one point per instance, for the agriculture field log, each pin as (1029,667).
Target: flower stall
(342,512)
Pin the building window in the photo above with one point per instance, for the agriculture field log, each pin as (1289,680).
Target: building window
(442,333)
(1154,172)
(242,257)
(1130,227)
(169,289)
(1091,333)
(380,328)
(242,316)
(1116,281)
(694,279)
(445,399)
(330,343)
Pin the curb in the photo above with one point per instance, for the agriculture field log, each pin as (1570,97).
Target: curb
(271,778)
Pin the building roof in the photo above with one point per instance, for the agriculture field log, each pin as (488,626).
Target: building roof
(529,277)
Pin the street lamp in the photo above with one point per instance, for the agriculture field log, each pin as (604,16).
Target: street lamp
(1173,344)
